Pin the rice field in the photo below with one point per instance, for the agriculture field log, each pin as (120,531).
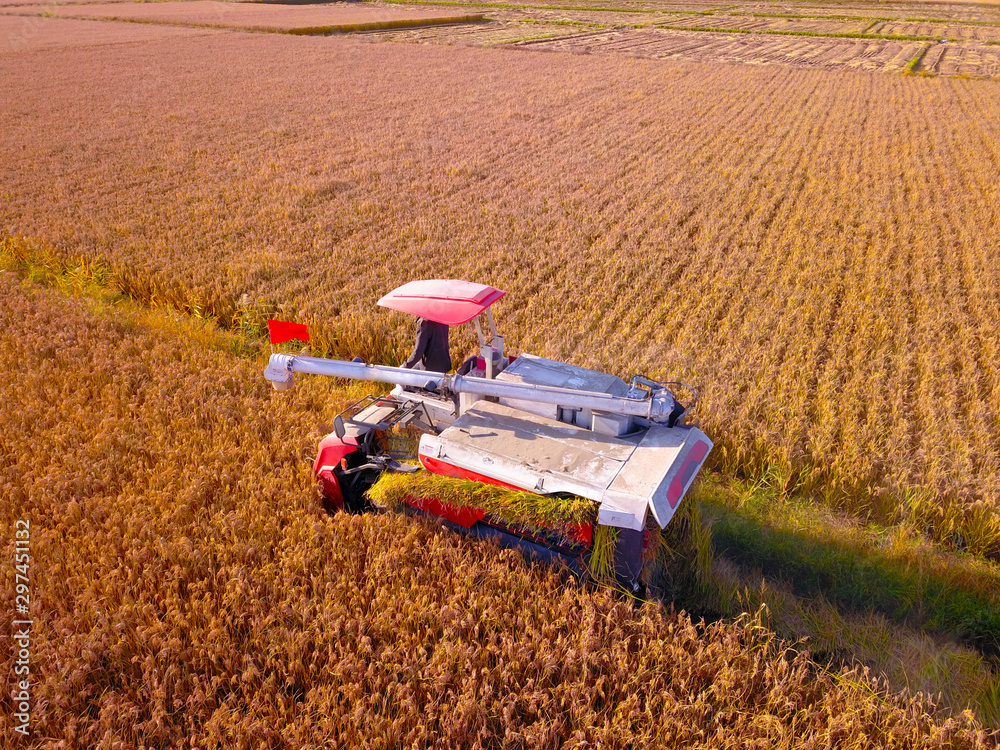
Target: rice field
(26,34)
(295,19)
(825,280)
(188,590)
(792,206)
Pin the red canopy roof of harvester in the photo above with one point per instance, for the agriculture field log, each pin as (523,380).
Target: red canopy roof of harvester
(448,301)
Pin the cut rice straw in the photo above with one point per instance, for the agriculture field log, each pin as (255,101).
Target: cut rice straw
(516,508)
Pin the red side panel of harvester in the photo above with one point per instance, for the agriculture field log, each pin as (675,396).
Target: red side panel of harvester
(332,450)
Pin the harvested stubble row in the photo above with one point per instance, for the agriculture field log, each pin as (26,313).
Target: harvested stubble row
(187,592)
(813,250)
(774,48)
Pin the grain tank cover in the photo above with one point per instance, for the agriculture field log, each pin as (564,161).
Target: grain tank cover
(449,301)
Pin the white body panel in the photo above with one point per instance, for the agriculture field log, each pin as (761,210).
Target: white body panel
(625,476)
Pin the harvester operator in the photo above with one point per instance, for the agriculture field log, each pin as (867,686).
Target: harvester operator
(430,352)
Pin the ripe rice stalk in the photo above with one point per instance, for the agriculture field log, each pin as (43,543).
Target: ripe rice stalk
(601,562)
(701,532)
(679,557)
(401,444)
(536,513)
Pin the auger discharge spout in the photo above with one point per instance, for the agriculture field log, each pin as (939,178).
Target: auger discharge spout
(281,368)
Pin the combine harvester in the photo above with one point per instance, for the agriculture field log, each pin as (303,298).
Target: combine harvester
(525,423)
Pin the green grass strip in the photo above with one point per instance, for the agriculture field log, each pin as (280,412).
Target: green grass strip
(247,321)
(345,28)
(911,66)
(908,582)
(401,23)
(812,17)
(950,21)
(106,287)
(523,39)
(512,507)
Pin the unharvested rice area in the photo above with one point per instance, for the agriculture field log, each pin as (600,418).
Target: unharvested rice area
(187,592)
(28,4)
(21,34)
(813,250)
(256,16)
(793,51)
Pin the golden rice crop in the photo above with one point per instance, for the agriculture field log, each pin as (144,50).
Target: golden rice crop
(188,592)
(813,250)
(514,507)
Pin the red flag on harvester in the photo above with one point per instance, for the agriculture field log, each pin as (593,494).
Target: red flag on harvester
(280,331)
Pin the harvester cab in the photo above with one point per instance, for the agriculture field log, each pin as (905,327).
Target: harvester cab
(524,422)
(453,303)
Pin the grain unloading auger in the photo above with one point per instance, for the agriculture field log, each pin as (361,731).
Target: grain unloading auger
(523,422)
